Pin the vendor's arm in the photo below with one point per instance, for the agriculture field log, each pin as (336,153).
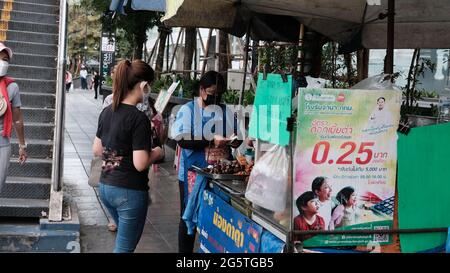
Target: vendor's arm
(187,143)
(234,127)
(182,132)
(237,143)
(249,141)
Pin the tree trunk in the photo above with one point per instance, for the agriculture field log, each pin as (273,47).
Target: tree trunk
(140,35)
(254,56)
(163,33)
(416,67)
(362,64)
(411,77)
(190,46)
(223,58)
(139,40)
(313,43)
(333,60)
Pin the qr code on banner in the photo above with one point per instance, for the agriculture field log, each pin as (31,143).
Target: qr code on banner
(381,238)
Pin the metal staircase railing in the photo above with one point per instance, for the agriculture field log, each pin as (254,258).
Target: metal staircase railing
(56,194)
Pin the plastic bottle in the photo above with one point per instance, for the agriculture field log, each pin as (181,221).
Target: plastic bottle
(180,92)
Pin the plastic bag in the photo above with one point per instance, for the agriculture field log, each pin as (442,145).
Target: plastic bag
(267,185)
(377,82)
(96,171)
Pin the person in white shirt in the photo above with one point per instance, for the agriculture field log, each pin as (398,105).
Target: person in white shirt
(83,78)
(322,191)
(380,116)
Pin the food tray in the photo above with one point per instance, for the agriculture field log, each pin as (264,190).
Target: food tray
(219,176)
(237,187)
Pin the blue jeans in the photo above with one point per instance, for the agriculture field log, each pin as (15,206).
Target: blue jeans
(129,210)
(84,83)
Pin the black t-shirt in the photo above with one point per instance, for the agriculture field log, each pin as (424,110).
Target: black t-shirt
(122,132)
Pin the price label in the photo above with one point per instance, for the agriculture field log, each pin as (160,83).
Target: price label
(363,151)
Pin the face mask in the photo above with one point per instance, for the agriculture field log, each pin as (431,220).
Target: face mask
(211,99)
(3,68)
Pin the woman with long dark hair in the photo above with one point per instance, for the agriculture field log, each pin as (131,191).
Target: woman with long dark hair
(124,141)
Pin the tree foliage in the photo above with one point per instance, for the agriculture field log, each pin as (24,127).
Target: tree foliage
(134,24)
(83,34)
(338,68)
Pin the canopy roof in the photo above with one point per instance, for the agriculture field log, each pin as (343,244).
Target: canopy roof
(418,23)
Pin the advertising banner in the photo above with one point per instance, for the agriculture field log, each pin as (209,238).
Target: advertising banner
(223,229)
(107,56)
(345,164)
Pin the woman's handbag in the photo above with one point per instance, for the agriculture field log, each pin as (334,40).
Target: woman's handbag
(96,171)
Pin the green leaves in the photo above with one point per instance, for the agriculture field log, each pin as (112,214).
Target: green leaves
(130,29)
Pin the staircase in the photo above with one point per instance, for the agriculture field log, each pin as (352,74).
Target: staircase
(30,28)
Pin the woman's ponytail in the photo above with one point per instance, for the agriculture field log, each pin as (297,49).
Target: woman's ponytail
(120,83)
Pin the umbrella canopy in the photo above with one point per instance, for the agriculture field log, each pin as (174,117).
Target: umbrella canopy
(155,5)
(152,5)
(418,23)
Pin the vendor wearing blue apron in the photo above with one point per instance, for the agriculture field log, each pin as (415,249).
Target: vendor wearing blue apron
(202,129)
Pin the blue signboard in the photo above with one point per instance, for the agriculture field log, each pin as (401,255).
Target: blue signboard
(225,230)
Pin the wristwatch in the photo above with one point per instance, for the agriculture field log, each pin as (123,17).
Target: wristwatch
(23,146)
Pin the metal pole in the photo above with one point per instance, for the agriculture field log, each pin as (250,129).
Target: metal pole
(389,68)
(153,51)
(85,35)
(217,63)
(300,52)
(290,238)
(201,40)
(175,49)
(195,61)
(371,231)
(56,194)
(205,59)
(247,43)
(167,54)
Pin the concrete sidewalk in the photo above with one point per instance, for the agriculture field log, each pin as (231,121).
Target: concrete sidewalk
(161,229)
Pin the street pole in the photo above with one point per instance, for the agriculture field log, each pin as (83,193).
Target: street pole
(389,67)
(85,34)
(246,50)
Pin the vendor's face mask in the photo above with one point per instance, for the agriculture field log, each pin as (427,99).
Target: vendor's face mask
(210,98)
(4,65)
